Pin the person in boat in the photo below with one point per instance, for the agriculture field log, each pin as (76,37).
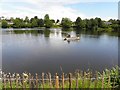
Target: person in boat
(68,36)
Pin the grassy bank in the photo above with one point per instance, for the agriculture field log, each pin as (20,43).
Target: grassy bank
(107,79)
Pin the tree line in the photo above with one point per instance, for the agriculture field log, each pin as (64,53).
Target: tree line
(84,24)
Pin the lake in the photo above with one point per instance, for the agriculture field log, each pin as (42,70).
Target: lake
(42,50)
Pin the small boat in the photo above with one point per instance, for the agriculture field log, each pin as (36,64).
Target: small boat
(72,38)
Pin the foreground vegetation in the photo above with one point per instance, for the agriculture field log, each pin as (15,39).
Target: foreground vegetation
(107,79)
(93,24)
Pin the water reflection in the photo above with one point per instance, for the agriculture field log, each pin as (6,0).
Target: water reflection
(46,33)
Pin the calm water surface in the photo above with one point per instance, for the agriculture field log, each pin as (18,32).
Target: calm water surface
(37,51)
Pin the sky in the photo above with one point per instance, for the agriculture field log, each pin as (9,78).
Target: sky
(60,8)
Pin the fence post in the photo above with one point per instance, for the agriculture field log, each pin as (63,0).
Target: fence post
(77,77)
(70,80)
(57,81)
(36,81)
(109,80)
(23,84)
(4,81)
(10,81)
(42,80)
(96,79)
(89,79)
(17,76)
(84,76)
(50,82)
(63,80)
(32,82)
(29,81)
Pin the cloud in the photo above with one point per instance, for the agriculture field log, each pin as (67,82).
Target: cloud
(61,11)
(55,8)
(40,8)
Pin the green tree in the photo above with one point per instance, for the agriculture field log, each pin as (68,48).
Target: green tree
(66,23)
(34,22)
(41,22)
(4,24)
(26,19)
(36,17)
(16,23)
(12,19)
(116,25)
(79,23)
(113,21)
(91,24)
(88,23)
(99,22)
(28,25)
(46,17)
(27,22)
(57,21)
(53,21)
(48,23)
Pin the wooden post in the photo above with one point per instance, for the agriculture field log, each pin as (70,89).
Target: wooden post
(96,79)
(17,76)
(77,77)
(19,82)
(36,81)
(50,82)
(89,79)
(70,80)
(29,81)
(84,76)
(42,80)
(109,80)
(47,78)
(10,81)
(32,82)
(63,80)
(23,84)
(4,81)
(57,81)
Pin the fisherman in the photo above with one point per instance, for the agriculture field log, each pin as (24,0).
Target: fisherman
(68,36)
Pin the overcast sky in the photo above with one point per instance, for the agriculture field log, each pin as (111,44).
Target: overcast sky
(60,8)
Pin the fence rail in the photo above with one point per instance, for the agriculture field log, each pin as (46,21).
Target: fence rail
(77,80)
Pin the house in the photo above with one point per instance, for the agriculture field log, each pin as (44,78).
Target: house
(108,23)
(9,21)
